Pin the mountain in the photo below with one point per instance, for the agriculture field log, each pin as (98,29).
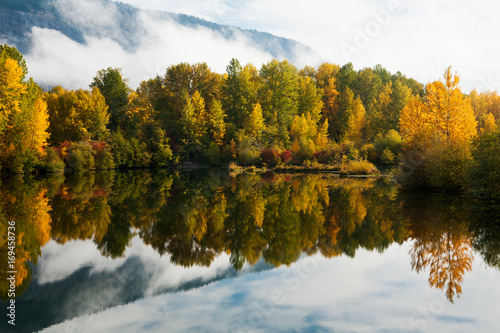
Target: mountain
(121,23)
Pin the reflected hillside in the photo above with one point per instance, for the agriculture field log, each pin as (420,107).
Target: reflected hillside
(193,218)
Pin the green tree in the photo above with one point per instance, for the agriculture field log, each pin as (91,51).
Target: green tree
(115,90)
(239,92)
(9,52)
(310,98)
(483,171)
(342,122)
(279,92)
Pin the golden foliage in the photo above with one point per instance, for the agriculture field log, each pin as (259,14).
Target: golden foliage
(444,116)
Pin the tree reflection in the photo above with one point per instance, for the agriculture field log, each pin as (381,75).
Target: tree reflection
(26,203)
(195,217)
(485,227)
(439,226)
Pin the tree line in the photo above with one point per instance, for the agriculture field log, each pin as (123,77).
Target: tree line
(275,115)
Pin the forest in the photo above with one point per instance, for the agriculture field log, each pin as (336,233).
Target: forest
(433,135)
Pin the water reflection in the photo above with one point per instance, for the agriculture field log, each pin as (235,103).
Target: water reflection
(194,218)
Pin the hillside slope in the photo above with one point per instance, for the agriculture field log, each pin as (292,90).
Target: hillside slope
(121,23)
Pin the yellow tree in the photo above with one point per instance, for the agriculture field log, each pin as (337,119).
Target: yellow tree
(438,131)
(200,114)
(255,123)
(37,125)
(11,90)
(445,116)
(451,114)
(381,106)
(415,127)
(490,125)
(23,119)
(447,256)
(355,132)
(330,100)
(216,122)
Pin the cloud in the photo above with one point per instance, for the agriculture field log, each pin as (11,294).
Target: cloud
(55,59)
(421,38)
(371,292)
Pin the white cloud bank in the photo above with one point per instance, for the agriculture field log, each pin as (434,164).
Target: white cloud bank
(372,292)
(420,38)
(57,60)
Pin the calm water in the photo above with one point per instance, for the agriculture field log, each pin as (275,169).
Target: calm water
(205,251)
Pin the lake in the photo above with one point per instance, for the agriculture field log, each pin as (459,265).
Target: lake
(207,251)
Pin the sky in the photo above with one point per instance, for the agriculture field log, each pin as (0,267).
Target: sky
(418,38)
(371,292)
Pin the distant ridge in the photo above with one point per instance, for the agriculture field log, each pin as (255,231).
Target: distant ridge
(18,17)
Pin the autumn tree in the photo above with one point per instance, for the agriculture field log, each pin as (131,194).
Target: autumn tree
(23,116)
(114,87)
(341,122)
(355,132)
(439,128)
(9,52)
(216,124)
(330,101)
(184,79)
(255,123)
(486,108)
(310,98)
(324,73)
(76,115)
(239,91)
(279,92)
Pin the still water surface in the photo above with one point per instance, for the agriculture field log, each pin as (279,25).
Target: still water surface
(144,251)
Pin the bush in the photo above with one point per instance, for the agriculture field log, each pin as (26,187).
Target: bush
(447,167)
(303,149)
(248,149)
(212,154)
(362,167)
(369,152)
(53,163)
(162,156)
(122,151)
(331,155)
(390,142)
(141,157)
(80,156)
(131,154)
(249,156)
(285,156)
(103,157)
(443,167)
(387,157)
(484,172)
(270,156)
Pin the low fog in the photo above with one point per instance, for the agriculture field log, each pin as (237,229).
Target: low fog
(55,59)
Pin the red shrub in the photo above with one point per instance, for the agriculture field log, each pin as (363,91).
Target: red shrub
(269,156)
(286,156)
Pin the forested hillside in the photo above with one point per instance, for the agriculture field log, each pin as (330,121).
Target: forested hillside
(119,22)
